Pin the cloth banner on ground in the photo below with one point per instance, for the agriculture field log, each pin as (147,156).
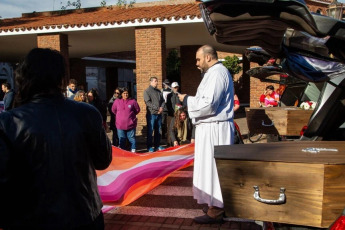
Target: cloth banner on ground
(131,175)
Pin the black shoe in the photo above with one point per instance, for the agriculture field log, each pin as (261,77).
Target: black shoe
(205,209)
(206,219)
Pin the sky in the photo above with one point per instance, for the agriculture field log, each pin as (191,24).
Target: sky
(15,8)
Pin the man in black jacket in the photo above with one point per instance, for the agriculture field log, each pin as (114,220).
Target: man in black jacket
(165,92)
(173,104)
(49,149)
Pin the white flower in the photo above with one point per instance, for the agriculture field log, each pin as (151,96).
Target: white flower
(302,105)
(313,105)
(308,105)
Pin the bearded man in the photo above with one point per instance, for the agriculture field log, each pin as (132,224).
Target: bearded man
(211,111)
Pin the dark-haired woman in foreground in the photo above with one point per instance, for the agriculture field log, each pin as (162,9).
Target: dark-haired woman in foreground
(50,147)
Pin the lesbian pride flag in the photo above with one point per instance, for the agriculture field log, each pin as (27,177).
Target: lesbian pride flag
(131,175)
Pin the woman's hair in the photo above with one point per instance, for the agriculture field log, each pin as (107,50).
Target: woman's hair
(178,124)
(78,94)
(7,85)
(41,72)
(95,95)
(125,89)
(270,87)
(119,96)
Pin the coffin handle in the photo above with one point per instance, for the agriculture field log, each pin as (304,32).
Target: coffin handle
(281,199)
(263,123)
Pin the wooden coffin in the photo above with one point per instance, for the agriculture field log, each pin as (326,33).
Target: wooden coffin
(287,121)
(312,183)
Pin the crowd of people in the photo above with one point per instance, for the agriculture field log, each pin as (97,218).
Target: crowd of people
(64,159)
(162,108)
(166,117)
(163,115)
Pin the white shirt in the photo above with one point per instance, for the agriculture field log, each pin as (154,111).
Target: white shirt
(214,99)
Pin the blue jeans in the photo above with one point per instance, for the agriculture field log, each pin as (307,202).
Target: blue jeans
(123,135)
(154,123)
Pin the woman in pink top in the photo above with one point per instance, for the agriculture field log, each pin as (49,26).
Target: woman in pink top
(125,111)
(269,98)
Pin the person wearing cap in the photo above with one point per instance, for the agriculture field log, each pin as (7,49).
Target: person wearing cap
(173,104)
(165,91)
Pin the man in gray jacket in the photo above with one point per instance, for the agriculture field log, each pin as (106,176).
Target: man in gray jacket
(154,101)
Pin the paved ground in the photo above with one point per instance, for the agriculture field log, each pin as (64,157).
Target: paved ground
(171,205)
(168,206)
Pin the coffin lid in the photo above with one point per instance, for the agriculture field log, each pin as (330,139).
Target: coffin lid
(289,152)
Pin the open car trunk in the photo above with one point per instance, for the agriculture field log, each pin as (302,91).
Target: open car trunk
(264,23)
(311,48)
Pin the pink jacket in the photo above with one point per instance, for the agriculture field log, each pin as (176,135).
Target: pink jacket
(125,112)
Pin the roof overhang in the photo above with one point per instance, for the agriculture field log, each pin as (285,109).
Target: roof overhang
(95,39)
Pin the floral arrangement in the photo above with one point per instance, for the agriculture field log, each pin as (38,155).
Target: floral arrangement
(308,105)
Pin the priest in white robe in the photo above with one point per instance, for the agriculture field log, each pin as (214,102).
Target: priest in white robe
(211,111)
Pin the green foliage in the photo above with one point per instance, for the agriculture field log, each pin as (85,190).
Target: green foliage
(232,64)
(103,3)
(124,4)
(173,65)
(76,4)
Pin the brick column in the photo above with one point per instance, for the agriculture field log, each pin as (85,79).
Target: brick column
(150,48)
(190,75)
(57,42)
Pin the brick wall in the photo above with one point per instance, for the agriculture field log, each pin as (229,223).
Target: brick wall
(257,87)
(57,42)
(314,6)
(150,49)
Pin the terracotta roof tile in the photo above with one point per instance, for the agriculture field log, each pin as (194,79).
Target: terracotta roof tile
(99,16)
(105,15)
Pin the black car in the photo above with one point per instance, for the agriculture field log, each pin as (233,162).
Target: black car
(311,47)
(311,50)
